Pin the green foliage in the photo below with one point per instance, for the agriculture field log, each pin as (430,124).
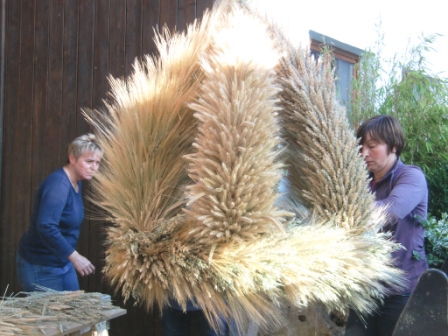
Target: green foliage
(436,240)
(418,100)
(437,179)
(403,87)
(366,94)
(415,255)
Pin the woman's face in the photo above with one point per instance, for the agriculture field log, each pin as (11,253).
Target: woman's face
(377,157)
(86,165)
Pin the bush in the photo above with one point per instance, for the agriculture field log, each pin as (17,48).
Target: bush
(436,240)
(408,92)
(438,190)
(420,102)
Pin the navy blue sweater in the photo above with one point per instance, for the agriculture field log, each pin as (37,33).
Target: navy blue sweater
(56,218)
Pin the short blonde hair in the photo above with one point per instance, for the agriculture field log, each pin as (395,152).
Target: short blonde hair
(82,144)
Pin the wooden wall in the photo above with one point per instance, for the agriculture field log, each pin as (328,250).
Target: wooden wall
(56,56)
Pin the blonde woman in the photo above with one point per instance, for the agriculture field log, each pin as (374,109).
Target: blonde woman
(47,256)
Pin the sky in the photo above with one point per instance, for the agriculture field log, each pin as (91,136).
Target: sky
(353,22)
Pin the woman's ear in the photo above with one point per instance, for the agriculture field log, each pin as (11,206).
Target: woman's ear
(71,159)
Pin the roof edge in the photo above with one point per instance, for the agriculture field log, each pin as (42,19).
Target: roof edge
(338,44)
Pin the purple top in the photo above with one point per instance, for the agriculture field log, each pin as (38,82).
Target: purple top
(404,192)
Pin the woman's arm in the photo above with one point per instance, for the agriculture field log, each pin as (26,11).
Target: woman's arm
(52,203)
(409,190)
(81,264)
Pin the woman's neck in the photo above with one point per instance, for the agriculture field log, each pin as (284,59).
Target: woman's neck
(71,176)
(379,175)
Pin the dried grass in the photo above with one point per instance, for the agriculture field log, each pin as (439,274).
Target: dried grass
(193,156)
(37,311)
(320,146)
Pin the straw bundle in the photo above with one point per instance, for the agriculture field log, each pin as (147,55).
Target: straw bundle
(45,309)
(235,166)
(146,131)
(319,145)
(192,162)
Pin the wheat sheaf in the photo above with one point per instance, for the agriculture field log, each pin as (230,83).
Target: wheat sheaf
(196,141)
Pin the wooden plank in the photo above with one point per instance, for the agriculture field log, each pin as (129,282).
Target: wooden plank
(18,173)
(2,104)
(40,80)
(11,104)
(53,142)
(151,13)
(73,327)
(2,84)
(186,13)
(168,14)
(69,77)
(133,33)
(85,62)
(101,52)
(202,5)
(117,30)
(84,98)
(95,247)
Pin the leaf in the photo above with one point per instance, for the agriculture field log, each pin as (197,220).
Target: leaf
(415,255)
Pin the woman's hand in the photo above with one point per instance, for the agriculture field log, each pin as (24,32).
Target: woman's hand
(81,264)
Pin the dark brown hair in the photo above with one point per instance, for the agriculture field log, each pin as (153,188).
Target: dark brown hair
(385,129)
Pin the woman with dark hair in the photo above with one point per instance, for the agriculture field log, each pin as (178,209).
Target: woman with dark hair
(47,256)
(401,189)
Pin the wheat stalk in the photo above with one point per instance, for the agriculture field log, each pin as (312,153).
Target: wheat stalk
(192,163)
(44,309)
